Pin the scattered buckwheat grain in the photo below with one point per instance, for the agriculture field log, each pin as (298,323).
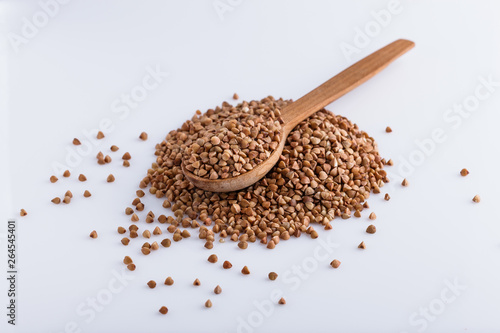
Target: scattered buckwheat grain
(335,263)
(405,182)
(163,310)
(273,276)
(282,301)
(53,179)
(371,229)
(196,282)
(362,245)
(464,172)
(208,304)
(227,265)
(476,198)
(100,135)
(87,194)
(100,158)
(127,260)
(169,281)
(110,178)
(76,142)
(217,290)
(151,284)
(93,234)
(143,136)
(66,174)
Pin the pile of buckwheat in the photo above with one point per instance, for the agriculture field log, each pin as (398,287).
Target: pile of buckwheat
(327,169)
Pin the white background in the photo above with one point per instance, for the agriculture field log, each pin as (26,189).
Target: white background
(64,79)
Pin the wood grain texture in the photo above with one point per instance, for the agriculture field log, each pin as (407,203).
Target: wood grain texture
(304,107)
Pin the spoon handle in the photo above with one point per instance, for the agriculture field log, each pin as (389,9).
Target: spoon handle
(343,82)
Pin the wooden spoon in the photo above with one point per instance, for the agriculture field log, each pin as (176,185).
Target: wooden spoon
(304,107)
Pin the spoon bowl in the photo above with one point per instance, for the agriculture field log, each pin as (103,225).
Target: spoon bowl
(237,183)
(303,108)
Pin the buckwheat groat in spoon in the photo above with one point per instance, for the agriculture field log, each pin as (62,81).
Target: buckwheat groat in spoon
(239,148)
